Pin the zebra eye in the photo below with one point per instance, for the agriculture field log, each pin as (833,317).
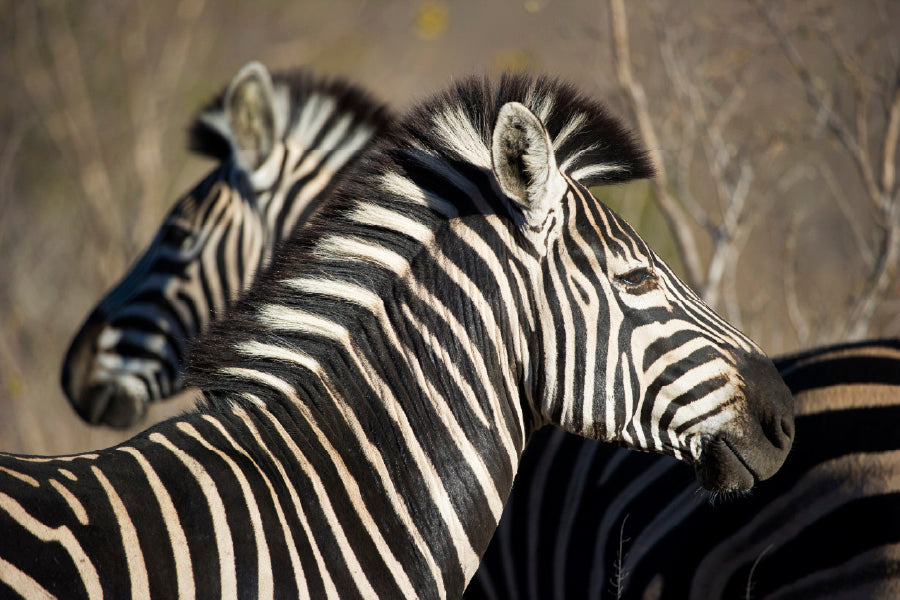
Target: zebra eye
(636,277)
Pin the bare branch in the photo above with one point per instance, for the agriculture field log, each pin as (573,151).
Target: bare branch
(672,211)
(796,315)
(687,93)
(719,156)
(881,191)
(885,271)
(148,102)
(889,148)
(821,102)
(59,93)
(730,237)
(860,234)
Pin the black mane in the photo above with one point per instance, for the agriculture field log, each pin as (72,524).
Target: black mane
(593,137)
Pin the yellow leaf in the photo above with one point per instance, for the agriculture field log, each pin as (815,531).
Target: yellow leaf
(432,19)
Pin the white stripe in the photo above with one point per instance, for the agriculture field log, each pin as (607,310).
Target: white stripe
(590,312)
(572,125)
(470,454)
(406,189)
(328,160)
(459,330)
(342,290)
(356,571)
(616,320)
(468,558)
(341,154)
(72,501)
(458,134)
(336,246)
(695,376)
(46,459)
(589,170)
(267,173)
(264,579)
(61,535)
(514,321)
(379,216)
(351,486)
(284,318)
(296,564)
(184,575)
(21,477)
(372,454)
(367,299)
(21,583)
(539,104)
(217,512)
(569,361)
(68,474)
(641,338)
(134,558)
(313,116)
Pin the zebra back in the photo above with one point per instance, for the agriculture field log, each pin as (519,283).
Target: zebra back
(587,520)
(282,143)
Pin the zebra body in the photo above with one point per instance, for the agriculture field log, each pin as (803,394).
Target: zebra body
(587,520)
(369,398)
(283,144)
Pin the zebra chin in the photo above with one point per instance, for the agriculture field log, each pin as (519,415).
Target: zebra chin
(754,447)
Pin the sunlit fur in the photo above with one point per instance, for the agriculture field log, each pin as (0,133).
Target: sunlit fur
(826,525)
(368,400)
(134,346)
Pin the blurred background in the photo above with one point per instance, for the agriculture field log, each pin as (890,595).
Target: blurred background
(774,126)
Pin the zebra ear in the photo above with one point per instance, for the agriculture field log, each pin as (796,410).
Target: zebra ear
(524,164)
(250,112)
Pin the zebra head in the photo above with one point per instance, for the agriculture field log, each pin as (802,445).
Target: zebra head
(629,353)
(282,144)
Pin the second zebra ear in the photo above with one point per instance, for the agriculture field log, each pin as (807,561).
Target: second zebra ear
(250,113)
(524,163)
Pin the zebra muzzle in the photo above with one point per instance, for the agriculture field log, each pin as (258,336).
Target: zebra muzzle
(756,444)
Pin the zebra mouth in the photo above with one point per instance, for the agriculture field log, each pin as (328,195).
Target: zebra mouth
(111,404)
(723,468)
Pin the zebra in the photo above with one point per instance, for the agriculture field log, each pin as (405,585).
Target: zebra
(368,400)
(282,143)
(586,520)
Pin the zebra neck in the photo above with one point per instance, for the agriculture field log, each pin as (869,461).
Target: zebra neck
(301,171)
(412,392)
(416,463)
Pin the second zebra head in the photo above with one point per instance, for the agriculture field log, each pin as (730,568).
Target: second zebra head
(282,144)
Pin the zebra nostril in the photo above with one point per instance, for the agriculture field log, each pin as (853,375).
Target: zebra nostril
(781,432)
(787,427)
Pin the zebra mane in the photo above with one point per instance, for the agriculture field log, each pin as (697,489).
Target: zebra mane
(590,145)
(300,85)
